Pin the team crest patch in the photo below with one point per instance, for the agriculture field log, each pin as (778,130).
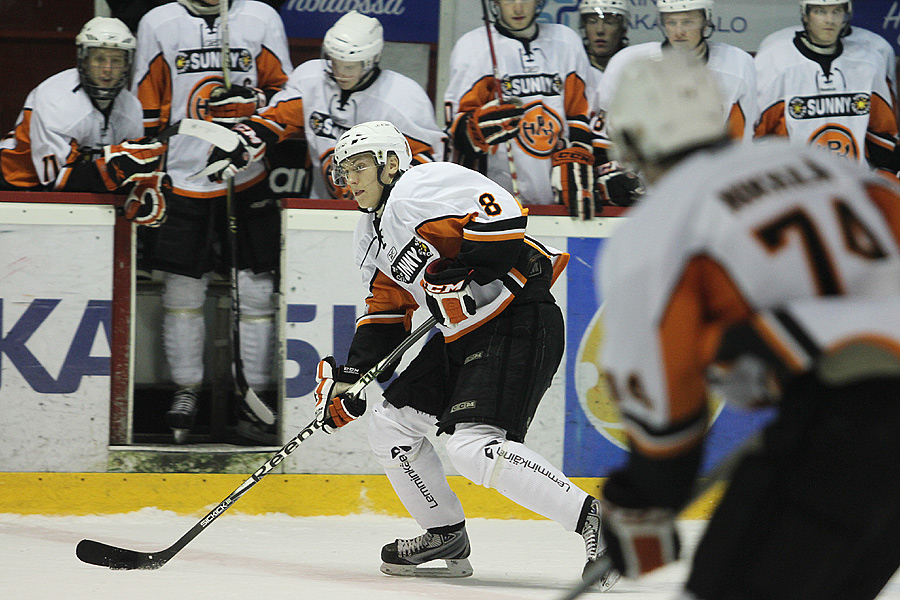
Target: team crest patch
(410,261)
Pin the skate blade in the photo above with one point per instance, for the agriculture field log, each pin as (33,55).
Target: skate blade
(180,435)
(458,567)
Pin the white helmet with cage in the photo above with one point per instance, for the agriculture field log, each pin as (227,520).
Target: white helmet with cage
(104,32)
(670,6)
(355,37)
(381,138)
(201,8)
(602,7)
(665,106)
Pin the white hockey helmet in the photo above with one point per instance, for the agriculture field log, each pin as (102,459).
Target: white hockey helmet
(378,137)
(104,32)
(201,8)
(670,6)
(355,37)
(805,4)
(601,7)
(665,106)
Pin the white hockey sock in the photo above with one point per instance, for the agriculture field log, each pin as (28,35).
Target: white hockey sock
(412,465)
(257,328)
(184,329)
(482,454)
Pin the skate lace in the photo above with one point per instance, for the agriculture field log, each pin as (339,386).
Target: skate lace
(417,544)
(183,402)
(591,534)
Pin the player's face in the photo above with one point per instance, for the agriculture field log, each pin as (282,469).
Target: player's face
(517,14)
(825,23)
(106,66)
(604,35)
(346,73)
(361,174)
(684,30)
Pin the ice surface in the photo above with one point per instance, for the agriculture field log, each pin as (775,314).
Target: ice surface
(281,557)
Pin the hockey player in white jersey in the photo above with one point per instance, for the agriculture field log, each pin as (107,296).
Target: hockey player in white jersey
(70,133)
(604,29)
(179,75)
(773,275)
(442,236)
(816,90)
(536,106)
(687,26)
(325,97)
(851,35)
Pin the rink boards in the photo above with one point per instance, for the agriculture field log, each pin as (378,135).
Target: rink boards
(64,368)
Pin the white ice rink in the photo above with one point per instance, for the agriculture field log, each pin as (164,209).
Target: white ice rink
(280,557)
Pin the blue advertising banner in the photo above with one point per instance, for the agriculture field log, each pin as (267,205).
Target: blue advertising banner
(880,16)
(403,20)
(595,442)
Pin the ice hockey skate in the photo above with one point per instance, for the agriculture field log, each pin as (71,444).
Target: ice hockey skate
(407,557)
(595,547)
(181,415)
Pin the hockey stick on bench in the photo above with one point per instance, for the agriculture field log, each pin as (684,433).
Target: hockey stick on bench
(719,473)
(104,555)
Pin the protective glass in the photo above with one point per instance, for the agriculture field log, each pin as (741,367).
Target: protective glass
(341,173)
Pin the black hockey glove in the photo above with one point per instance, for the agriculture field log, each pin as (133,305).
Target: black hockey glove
(447,292)
(229,106)
(572,179)
(146,204)
(617,186)
(223,164)
(121,163)
(334,407)
(493,124)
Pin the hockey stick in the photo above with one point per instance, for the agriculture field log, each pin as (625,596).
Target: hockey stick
(210,132)
(719,473)
(104,555)
(256,406)
(498,92)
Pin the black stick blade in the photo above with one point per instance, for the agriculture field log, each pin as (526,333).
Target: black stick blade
(104,555)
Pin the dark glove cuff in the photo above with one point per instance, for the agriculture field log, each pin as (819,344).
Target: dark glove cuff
(650,482)
(347,374)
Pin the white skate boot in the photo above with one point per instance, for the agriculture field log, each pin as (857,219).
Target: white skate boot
(406,557)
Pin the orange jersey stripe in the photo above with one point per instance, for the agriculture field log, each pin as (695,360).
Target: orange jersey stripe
(771,121)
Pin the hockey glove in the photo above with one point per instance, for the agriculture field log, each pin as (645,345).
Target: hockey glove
(223,164)
(493,124)
(146,204)
(639,540)
(335,408)
(229,106)
(447,292)
(617,186)
(572,178)
(120,163)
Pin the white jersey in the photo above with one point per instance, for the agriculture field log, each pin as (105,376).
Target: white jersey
(733,70)
(734,232)
(431,211)
(548,74)
(57,121)
(857,35)
(179,62)
(841,103)
(313,102)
